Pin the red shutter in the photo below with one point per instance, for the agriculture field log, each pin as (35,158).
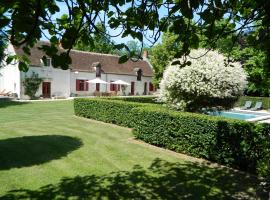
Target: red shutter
(151,87)
(98,87)
(111,87)
(86,85)
(118,87)
(77,85)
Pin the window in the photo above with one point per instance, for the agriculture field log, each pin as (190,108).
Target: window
(47,61)
(113,87)
(81,85)
(151,87)
(139,75)
(97,87)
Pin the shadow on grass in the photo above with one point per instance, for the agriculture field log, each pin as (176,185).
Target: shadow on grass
(162,180)
(33,150)
(4,104)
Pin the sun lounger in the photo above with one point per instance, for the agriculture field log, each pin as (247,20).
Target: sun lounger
(2,92)
(247,105)
(258,106)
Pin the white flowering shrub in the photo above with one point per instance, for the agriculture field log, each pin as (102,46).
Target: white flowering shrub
(206,83)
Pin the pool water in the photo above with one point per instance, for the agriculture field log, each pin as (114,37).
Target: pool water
(234,115)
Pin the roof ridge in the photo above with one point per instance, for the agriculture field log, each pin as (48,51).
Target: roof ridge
(91,52)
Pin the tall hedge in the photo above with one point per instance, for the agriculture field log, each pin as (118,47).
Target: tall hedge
(106,110)
(234,143)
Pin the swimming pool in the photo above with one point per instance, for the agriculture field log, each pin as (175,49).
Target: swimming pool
(237,114)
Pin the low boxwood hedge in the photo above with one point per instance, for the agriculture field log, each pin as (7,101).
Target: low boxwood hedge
(138,99)
(233,143)
(107,110)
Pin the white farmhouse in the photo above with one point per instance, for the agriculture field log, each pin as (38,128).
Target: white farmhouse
(73,82)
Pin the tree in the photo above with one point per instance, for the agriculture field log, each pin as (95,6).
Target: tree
(31,85)
(24,22)
(253,59)
(99,44)
(162,54)
(207,82)
(3,45)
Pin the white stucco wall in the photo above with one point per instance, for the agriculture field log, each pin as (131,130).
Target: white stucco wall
(139,85)
(82,76)
(60,80)
(10,74)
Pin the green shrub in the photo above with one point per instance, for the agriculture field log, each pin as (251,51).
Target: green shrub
(265,101)
(106,110)
(138,99)
(233,143)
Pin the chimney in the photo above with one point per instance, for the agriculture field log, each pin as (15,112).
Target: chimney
(145,55)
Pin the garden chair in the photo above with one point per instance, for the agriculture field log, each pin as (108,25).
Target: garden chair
(2,92)
(247,105)
(258,106)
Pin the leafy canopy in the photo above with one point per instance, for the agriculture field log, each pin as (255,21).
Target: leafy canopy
(24,22)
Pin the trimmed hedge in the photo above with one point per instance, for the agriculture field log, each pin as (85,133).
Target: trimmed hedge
(265,101)
(107,110)
(233,143)
(138,99)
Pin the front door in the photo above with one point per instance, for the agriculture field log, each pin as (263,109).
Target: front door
(46,90)
(132,88)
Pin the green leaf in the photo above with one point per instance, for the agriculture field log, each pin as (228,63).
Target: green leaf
(23,66)
(123,59)
(4,22)
(9,59)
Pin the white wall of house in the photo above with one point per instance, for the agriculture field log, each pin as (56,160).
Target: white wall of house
(63,82)
(139,85)
(10,75)
(82,76)
(59,79)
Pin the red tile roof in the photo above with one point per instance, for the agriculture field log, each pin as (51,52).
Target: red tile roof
(83,61)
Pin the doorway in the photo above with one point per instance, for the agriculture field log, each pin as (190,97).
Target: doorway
(46,89)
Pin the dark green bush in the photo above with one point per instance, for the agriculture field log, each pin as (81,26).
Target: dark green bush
(106,110)
(234,143)
(138,99)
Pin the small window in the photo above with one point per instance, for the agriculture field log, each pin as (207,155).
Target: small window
(113,87)
(81,85)
(139,75)
(47,61)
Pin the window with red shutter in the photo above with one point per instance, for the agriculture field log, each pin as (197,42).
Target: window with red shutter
(86,85)
(151,87)
(98,87)
(82,85)
(111,86)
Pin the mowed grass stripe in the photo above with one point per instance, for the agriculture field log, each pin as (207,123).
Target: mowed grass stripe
(51,133)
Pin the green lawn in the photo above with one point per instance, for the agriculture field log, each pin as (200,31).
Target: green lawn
(48,153)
